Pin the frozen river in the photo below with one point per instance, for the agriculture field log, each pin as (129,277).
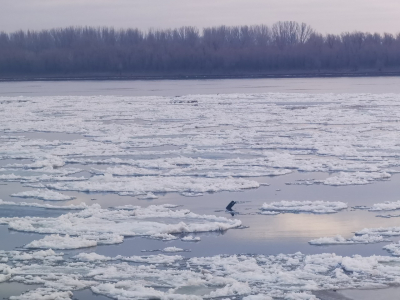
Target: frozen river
(118,189)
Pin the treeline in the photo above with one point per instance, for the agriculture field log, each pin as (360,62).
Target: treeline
(283,47)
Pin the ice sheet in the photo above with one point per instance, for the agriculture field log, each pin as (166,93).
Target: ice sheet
(47,195)
(94,225)
(219,144)
(358,239)
(215,145)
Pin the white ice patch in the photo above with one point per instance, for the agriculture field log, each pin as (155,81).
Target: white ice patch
(357,178)
(213,143)
(172,249)
(190,238)
(127,207)
(191,194)
(80,206)
(47,195)
(151,259)
(44,255)
(34,180)
(92,257)
(269,213)
(58,242)
(146,184)
(358,239)
(385,206)
(202,167)
(108,226)
(5,270)
(388,231)
(317,207)
(49,162)
(148,196)
(44,294)
(253,277)
(393,249)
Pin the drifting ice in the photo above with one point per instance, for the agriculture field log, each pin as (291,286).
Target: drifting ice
(317,207)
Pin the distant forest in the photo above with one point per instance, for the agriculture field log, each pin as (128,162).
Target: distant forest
(282,47)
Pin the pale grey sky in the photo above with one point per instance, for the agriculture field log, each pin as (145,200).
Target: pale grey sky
(326,16)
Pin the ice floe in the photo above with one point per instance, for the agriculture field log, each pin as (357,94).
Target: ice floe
(44,293)
(151,259)
(47,195)
(354,145)
(61,242)
(357,178)
(148,196)
(292,276)
(394,248)
(357,239)
(172,249)
(109,226)
(346,178)
(388,216)
(270,213)
(42,255)
(383,231)
(46,206)
(385,206)
(317,207)
(190,238)
(143,185)
(364,236)
(217,145)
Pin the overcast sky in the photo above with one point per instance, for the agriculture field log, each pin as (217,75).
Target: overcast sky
(326,16)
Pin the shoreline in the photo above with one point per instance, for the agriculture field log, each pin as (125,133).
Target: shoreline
(201,76)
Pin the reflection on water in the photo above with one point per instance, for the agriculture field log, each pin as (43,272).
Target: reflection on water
(10,240)
(14,289)
(390,293)
(88,295)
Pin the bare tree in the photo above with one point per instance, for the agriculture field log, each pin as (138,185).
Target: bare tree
(286,46)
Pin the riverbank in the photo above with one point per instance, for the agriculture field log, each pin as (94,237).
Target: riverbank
(191,76)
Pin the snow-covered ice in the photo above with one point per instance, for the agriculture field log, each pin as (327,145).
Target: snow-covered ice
(47,195)
(356,178)
(172,249)
(47,206)
(146,184)
(317,207)
(350,136)
(44,293)
(109,226)
(270,213)
(394,248)
(61,242)
(383,231)
(385,206)
(357,239)
(292,276)
(218,145)
(191,238)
